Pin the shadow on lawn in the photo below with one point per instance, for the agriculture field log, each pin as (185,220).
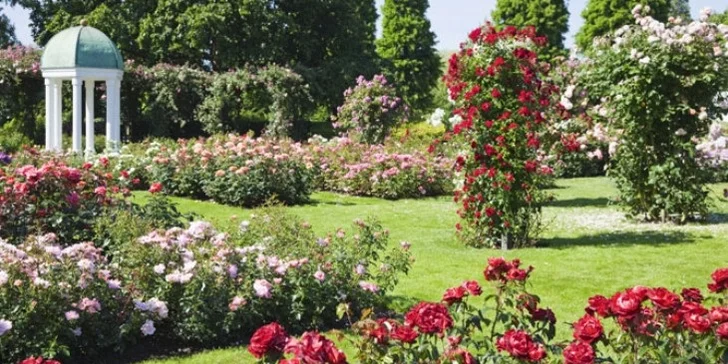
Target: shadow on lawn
(580,202)
(621,238)
(315,202)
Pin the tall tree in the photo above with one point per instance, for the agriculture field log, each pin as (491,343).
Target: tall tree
(604,16)
(680,9)
(407,48)
(7,31)
(720,18)
(550,17)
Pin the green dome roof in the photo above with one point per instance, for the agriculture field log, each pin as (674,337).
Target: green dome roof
(81,47)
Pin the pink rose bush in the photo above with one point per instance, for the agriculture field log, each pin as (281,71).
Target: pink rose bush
(370,111)
(376,170)
(52,196)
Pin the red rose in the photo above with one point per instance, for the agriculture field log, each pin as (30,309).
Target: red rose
(155,187)
(722,331)
(455,294)
(495,93)
(268,339)
(313,347)
(692,295)
(588,329)
(664,299)
(719,314)
(429,318)
(404,334)
(695,317)
(545,315)
(625,304)
(520,345)
(720,280)
(290,361)
(473,288)
(579,353)
(380,333)
(497,267)
(600,305)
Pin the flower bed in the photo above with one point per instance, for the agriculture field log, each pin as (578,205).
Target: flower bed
(653,325)
(371,170)
(193,285)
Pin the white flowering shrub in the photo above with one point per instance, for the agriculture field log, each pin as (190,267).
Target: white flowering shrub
(656,84)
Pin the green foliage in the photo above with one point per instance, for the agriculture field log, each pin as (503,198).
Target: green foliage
(21,96)
(658,94)
(247,95)
(328,42)
(7,30)
(604,16)
(407,48)
(720,18)
(550,17)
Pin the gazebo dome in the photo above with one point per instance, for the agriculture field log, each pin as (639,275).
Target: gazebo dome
(81,47)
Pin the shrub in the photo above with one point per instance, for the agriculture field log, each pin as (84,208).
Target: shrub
(500,96)
(21,93)
(54,197)
(657,84)
(234,170)
(713,152)
(272,94)
(217,286)
(372,170)
(370,110)
(60,301)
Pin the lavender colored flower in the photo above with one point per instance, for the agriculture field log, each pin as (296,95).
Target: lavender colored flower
(5,158)
(5,326)
(148,328)
(262,288)
(71,315)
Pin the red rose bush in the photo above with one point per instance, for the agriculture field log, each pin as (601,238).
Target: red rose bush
(500,94)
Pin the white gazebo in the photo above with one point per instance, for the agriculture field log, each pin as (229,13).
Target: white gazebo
(83,55)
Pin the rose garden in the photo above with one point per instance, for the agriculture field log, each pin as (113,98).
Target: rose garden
(541,209)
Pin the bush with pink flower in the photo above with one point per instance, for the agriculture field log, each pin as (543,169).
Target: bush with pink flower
(370,111)
(217,286)
(57,300)
(377,170)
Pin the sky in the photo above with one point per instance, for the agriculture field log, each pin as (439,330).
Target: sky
(451,20)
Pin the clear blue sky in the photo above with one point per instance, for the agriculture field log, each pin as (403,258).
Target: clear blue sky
(451,19)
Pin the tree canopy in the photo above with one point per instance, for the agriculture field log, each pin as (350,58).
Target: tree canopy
(407,48)
(550,17)
(7,31)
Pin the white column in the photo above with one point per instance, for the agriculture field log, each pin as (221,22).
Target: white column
(113,123)
(49,114)
(90,117)
(58,115)
(77,113)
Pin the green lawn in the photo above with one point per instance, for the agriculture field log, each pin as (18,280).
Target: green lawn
(587,248)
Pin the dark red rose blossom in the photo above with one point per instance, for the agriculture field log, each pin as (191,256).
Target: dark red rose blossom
(543,314)
(695,317)
(429,318)
(625,304)
(454,295)
(720,280)
(692,295)
(313,347)
(404,334)
(268,339)
(290,361)
(664,299)
(473,287)
(722,331)
(588,329)
(600,305)
(520,345)
(475,34)
(719,314)
(579,353)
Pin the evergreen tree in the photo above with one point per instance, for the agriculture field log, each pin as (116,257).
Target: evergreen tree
(550,17)
(680,9)
(604,16)
(7,31)
(407,48)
